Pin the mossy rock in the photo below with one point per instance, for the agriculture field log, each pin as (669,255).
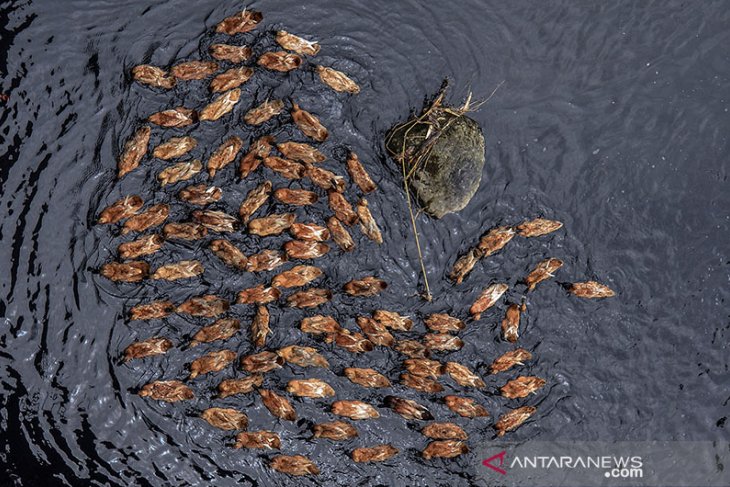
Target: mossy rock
(449,174)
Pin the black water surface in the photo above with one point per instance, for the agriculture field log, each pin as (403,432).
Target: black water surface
(613,118)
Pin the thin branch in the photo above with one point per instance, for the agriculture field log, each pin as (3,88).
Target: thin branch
(428,296)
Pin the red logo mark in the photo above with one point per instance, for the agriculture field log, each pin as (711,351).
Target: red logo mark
(500,456)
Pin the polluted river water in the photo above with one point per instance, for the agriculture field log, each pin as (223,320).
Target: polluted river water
(611,119)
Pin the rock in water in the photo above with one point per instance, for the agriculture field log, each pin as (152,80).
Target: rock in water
(447,148)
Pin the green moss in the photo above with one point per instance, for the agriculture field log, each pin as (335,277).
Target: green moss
(451,172)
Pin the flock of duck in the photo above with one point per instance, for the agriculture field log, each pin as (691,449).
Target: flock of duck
(146,230)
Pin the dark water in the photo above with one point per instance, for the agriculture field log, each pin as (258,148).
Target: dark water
(613,117)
